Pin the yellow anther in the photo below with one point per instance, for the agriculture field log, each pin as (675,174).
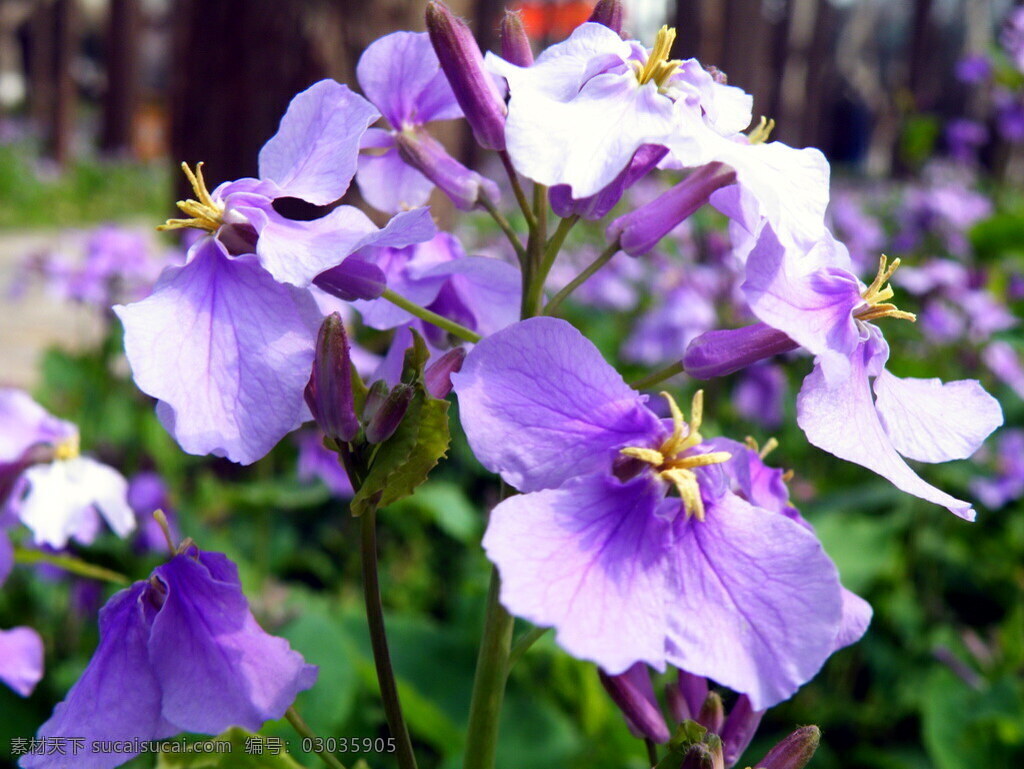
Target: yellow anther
(878,294)
(67,449)
(203,212)
(650,456)
(659,67)
(760,134)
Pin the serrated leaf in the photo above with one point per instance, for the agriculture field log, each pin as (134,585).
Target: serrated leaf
(244,753)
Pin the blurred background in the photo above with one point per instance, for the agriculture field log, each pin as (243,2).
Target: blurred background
(919,104)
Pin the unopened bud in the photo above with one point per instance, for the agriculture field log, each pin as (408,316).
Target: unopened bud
(686,696)
(794,752)
(438,376)
(515,43)
(739,729)
(597,206)
(353,279)
(428,156)
(375,397)
(725,351)
(712,713)
(463,65)
(633,693)
(329,391)
(609,13)
(703,755)
(388,417)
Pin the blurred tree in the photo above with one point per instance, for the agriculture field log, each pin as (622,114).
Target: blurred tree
(121,96)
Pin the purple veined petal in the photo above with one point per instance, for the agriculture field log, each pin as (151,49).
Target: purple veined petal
(755,601)
(227,350)
(21,659)
(932,421)
(313,154)
(216,666)
(855,619)
(540,405)
(24,423)
(555,142)
(63,498)
(389,184)
(806,297)
(841,419)
(489,288)
(588,559)
(401,75)
(117,697)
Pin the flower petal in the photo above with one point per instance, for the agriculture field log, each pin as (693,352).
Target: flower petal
(24,423)
(855,619)
(21,659)
(389,184)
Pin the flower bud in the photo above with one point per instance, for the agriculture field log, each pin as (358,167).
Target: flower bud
(428,156)
(353,279)
(739,729)
(438,375)
(703,755)
(597,206)
(463,65)
(634,695)
(794,752)
(329,391)
(375,397)
(721,352)
(609,13)
(686,697)
(712,713)
(388,416)
(639,231)
(515,43)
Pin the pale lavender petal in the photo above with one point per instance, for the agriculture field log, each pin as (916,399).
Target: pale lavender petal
(216,666)
(755,601)
(540,405)
(855,619)
(313,154)
(21,659)
(489,288)
(841,418)
(932,421)
(227,350)
(24,423)
(389,184)
(588,559)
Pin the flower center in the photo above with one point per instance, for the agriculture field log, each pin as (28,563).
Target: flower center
(67,449)
(760,134)
(659,67)
(878,294)
(203,212)
(671,461)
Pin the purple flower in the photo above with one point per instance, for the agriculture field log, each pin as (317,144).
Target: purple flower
(594,548)
(21,659)
(148,493)
(179,652)
(1002,359)
(760,395)
(974,68)
(1012,37)
(680,315)
(964,137)
(316,461)
(1008,483)
(225,342)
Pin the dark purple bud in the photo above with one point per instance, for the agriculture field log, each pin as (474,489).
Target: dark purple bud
(428,156)
(717,353)
(686,698)
(712,713)
(515,43)
(597,206)
(329,391)
(794,752)
(388,416)
(609,13)
(703,755)
(375,397)
(353,279)
(739,729)
(639,231)
(438,376)
(633,693)
(463,65)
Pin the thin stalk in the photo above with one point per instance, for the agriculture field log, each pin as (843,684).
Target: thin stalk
(540,210)
(523,644)
(303,729)
(517,189)
(652,751)
(489,684)
(502,222)
(430,317)
(556,242)
(70,564)
(379,641)
(582,278)
(658,376)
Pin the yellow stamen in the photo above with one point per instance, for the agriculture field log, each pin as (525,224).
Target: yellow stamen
(659,67)
(67,449)
(762,131)
(203,212)
(878,294)
(165,527)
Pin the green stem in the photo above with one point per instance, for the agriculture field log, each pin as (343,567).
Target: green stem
(556,243)
(502,222)
(431,317)
(652,751)
(517,189)
(658,376)
(582,278)
(489,684)
(303,729)
(523,644)
(70,564)
(379,641)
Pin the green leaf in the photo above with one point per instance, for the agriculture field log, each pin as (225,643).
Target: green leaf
(237,749)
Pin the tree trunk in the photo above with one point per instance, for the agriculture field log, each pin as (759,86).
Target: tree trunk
(121,95)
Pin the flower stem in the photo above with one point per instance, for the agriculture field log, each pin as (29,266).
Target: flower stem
(379,641)
(555,243)
(303,729)
(523,644)
(517,189)
(658,376)
(502,222)
(430,317)
(70,564)
(489,685)
(582,278)
(652,751)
